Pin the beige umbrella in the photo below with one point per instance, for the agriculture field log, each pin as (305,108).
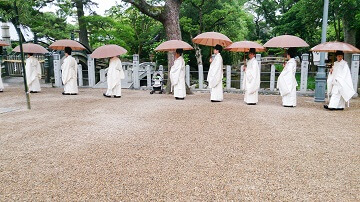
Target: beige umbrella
(212,39)
(3,43)
(108,51)
(335,46)
(31,48)
(61,44)
(285,41)
(244,46)
(172,45)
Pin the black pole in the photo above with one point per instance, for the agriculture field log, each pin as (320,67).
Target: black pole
(17,27)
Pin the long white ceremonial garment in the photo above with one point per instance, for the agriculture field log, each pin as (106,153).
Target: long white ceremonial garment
(339,85)
(215,77)
(251,81)
(177,77)
(1,83)
(69,75)
(287,83)
(114,76)
(33,73)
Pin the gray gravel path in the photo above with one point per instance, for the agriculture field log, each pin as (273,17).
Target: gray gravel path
(146,147)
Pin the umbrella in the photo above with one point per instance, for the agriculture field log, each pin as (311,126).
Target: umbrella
(172,45)
(31,48)
(285,41)
(211,39)
(108,51)
(61,44)
(335,46)
(244,46)
(3,43)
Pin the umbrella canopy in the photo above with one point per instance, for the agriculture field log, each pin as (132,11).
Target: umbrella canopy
(211,39)
(61,44)
(244,46)
(172,45)
(335,46)
(31,48)
(285,41)
(108,51)
(3,43)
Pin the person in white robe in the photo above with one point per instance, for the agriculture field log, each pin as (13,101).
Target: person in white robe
(339,84)
(33,73)
(215,76)
(114,75)
(251,81)
(69,73)
(287,82)
(1,83)
(177,76)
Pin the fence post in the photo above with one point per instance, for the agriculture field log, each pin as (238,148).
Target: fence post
(355,72)
(272,77)
(136,71)
(228,77)
(57,70)
(187,71)
(80,75)
(91,71)
(201,77)
(148,76)
(161,71)
(304,73)
(102,75)
(242,76)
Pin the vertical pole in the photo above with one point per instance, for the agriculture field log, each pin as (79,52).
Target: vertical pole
(242,76)
(258,58)
(228,77)
(201,77)
(91,71)
(304,73)
(187,70)
(148,76)
(57,70)
(161,70)
(80,75)
(272,78)
(355,72)
(320,79)
(17,27)
(136,71)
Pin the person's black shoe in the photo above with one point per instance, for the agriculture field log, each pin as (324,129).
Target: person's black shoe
(1,91)
(106,95)
(332,109)
(215,101)
(179,98)
(117,96)
(251,103)
(288,106)
(65,93)
(73,93)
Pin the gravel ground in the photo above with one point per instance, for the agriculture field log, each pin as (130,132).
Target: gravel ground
(145,147)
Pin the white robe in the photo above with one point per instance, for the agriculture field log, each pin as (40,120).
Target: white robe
(339,85)
(1,83)
(69,75)
(215,77)
(33,73)
(114,76)
(251,82)
(287,83)
(177,77)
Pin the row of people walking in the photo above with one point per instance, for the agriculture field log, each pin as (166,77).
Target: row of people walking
(339,81)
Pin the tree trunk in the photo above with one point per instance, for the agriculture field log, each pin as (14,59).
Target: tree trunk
(349,37)
(83,34)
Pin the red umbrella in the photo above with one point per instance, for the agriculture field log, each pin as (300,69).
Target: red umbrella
(244,46)
(61,44)
(3,43)
(211,39)
(172,45)
(31,48)
(335,46)
(285,41)
(108,51)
